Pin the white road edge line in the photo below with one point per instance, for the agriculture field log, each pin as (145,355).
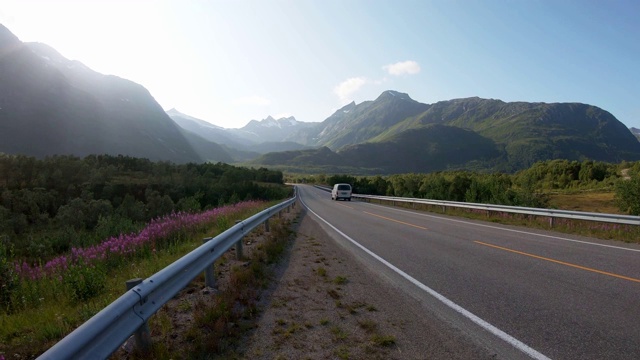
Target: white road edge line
(512,230)
(464,312)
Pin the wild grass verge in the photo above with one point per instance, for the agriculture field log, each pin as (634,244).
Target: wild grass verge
(601,230)
(219,321)
(43,302)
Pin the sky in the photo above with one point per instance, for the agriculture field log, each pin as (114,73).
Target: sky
(228,62)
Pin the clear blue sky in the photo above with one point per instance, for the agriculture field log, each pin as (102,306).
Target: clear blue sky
(228,62)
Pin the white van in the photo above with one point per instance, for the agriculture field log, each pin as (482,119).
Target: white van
(341,191)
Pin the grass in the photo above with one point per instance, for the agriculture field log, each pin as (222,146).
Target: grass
(292,329)
(353,307)
(340,280)
(338,333)
(220,324)
(321,271)
(368,325)
(602,230)
(383,340)
(333,293)
(52,311)
(342,352)
(599,202)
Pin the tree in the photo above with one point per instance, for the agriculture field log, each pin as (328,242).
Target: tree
(628,195)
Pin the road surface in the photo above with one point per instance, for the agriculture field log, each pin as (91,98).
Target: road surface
(520,293)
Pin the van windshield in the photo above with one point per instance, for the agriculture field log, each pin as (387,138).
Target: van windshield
(344,187)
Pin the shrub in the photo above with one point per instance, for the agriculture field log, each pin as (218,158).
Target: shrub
(9,280)
(85,281)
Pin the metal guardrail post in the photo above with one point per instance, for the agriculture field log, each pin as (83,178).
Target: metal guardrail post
(266,225)
(550,221)
(142,336)
(209,271)
(239,246)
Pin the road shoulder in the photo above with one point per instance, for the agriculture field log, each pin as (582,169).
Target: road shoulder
(328,305)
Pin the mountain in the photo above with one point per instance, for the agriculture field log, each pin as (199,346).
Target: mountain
(397,134)
(433,148)
(249,142)
(635,132)
(51,105)
(277,146)
(207,130)
(209,151)
(271,130)
(530,132)
(354,124)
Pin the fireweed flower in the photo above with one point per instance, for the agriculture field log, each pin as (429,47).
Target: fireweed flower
(164,228)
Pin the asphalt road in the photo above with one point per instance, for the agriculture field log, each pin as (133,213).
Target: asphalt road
(521,293)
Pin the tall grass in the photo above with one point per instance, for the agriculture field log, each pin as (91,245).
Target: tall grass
(602,230)
(43,301)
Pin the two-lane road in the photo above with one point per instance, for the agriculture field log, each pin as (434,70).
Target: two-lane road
(519,292)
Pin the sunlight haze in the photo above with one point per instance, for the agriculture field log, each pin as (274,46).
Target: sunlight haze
(228,62)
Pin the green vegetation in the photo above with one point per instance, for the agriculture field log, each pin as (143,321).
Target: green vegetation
(545,184)
(219,324)
(39,309)
(383,340)
(340,280)
(321,271)
(73,230)
(628,190)
(49,206)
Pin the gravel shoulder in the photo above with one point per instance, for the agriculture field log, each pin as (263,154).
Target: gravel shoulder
(326,304)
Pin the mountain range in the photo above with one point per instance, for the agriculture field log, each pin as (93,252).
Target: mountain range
(395,133)
(51,105)
(250,141)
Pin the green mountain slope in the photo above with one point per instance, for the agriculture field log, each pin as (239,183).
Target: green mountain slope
(315,157)
(355,124)
(431,148)
(531,132)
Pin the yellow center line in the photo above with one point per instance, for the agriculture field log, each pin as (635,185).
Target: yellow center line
(561,262)
(400,222)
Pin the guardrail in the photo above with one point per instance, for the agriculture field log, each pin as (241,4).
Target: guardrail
(102,334)
(550,213)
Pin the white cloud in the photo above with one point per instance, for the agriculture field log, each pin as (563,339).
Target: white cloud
(404,67)
(346,88)
(252,100)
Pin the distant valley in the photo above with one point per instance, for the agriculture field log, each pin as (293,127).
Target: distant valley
(51,105)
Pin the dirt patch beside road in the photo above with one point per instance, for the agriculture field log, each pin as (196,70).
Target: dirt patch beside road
(327,305)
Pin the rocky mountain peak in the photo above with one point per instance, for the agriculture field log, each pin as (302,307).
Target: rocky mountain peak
(7,38)
(395,95)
